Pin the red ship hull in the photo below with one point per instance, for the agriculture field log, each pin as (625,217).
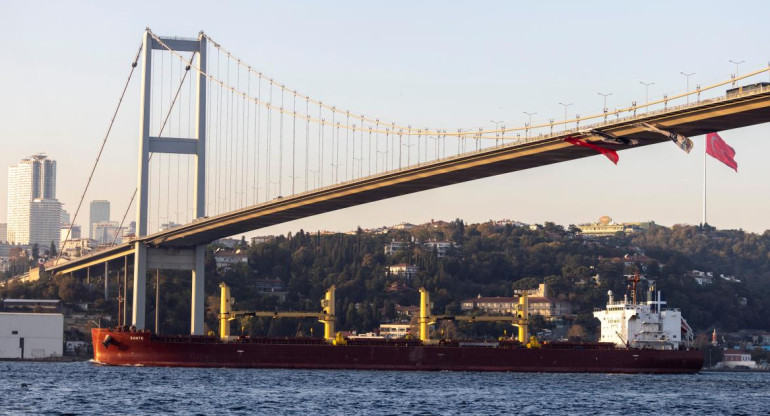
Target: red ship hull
(142,348)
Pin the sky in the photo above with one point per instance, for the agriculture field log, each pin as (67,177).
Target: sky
(437,63)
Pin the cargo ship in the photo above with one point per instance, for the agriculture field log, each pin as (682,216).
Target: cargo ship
(636,338)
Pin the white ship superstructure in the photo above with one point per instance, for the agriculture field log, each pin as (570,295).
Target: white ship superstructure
(643,325)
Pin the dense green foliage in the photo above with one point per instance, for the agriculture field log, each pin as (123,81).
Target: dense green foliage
(490,260)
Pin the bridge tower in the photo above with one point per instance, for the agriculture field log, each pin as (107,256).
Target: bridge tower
(183,258)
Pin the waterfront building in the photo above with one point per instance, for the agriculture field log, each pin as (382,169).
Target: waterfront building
(34,214)
(99,213)
(737,359)
(31,335)
(393,331)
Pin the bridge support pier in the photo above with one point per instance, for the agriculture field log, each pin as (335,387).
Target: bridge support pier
(106,280)
(198,280)
(140,285)
(155,258)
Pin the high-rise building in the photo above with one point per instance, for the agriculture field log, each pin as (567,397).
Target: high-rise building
(34,214)
(65,217)
(3,232)
(107,232)
(100,212)
(45,222)
(74,233)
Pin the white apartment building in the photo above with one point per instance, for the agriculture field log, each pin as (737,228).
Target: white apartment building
(45,222)
(34,214)
(394,246)
(441,247)
(74,234)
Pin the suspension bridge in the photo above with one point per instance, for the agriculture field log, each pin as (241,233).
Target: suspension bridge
(225,149)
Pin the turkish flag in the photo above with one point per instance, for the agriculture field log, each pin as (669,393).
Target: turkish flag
(721,151)
(611,154)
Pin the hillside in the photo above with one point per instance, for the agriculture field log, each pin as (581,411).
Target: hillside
(488,259)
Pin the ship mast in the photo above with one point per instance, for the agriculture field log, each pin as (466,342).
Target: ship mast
(634,279)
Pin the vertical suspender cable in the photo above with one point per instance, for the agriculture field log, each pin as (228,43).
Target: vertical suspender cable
(220,141)
(236,135)
(257,126)
(333,173)
(280,147)
(307,142)
(293,141)
(347,144)
(269,144)
(228,161)
(320,147)
(247,111)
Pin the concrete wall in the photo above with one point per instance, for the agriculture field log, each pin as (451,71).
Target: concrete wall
(42,335)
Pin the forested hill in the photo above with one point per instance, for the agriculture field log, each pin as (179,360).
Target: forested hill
(493,260)
(488,259)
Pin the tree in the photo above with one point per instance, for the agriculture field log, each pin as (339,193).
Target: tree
(35,252)
(52,250)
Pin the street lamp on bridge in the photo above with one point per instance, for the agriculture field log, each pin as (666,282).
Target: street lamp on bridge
(408,154)
(529,124)
(646,95)
(565,114)
(688,84)
(497,127)
(736,66)
(605,103)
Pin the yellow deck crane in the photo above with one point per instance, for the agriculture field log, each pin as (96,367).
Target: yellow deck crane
(520,319)
(227,314)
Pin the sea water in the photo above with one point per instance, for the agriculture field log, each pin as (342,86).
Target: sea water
(85,388)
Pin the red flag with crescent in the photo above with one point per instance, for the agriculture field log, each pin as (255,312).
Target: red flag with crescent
(721,151)
(609,153)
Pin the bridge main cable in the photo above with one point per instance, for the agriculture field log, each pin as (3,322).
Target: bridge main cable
(101,148)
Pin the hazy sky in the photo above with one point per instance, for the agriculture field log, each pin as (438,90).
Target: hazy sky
(437,63)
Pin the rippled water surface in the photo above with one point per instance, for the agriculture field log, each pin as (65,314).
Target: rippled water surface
(84,388)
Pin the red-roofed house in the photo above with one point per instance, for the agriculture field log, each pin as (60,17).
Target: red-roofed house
(737,359)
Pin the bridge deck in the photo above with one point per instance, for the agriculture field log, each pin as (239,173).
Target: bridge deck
(690,120)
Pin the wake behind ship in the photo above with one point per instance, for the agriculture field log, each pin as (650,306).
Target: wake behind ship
(636,338)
